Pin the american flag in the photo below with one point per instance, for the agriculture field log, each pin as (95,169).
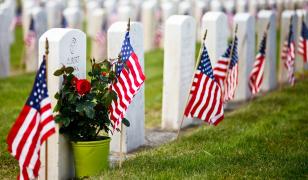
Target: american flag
(256,75)
(100,37)
(64,23)
(232,74)
(288,55)
(220,69)
(159,28)
(130,79)
(31,35)
(33,126)
(205,100)
(17,21)
(303,42)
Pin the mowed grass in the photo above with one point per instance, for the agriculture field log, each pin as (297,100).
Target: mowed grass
(266,139)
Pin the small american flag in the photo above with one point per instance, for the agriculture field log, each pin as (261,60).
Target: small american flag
(100,37)
(232,74)
(33,126)
(130,80)
(288,55)
(256,75)
(205,100)
(64,23)
(31,35)
(159,28)
(303,42)
(17,20)
(221,67)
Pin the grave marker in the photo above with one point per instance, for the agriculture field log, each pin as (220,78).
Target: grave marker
(270,69)
(217,29)
(179,59)
(74,17)
(246,49)
(4,45)
(66,47)
(284,30)
(133,136)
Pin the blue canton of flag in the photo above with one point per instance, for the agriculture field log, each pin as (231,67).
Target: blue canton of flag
(126,51)
(205,64)
(39,91)
(234,57)
(64,23)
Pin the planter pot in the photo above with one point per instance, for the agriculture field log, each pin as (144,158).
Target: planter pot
(91,157)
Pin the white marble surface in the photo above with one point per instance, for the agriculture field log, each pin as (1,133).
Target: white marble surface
(66,47)
(270,70)
(133,136)
(246,52)
(179,59)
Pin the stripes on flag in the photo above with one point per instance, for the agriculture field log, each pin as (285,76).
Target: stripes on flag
(226,71)
(130,80)
(205,100)
(220,69)
(33,126)
(256,75)
(303,42)
(232,74)
(288,55)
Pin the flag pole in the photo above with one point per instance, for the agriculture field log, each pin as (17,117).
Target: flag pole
(46,146)
(121,137)
(231,54)
(196,66)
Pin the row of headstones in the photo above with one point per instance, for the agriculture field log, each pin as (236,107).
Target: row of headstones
(50,16)
(68,47)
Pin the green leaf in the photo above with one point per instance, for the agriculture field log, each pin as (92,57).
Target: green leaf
(69,70)
(57,108)
(57,95)
(89,112)
(58,72)
(125,122)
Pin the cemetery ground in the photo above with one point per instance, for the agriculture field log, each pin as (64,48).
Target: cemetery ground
(265,138)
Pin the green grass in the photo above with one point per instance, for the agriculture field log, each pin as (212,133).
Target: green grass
(266,139)
(16,51)
(14,92)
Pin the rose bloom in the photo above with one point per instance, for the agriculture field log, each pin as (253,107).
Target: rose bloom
(104,73)
(83,86)
(74,80)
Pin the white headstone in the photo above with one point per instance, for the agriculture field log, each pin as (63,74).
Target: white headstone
(74,17)
(54,14)
(149,23)
(74,3)
(98,33)
(215,5)
(284,31)
(4,47)
(133,136)
(179,60)
(186,8)
(242,6)
(26,15)
(200,8)
(66,47)
(126,12)
(91,6)
(217,29)
(40,18)
(270,70)
(10,6)
(246,52)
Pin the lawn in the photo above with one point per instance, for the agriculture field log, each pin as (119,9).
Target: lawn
(266,139)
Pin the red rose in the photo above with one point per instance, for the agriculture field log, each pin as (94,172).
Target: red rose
(83,86)
(74,80)
(104,73)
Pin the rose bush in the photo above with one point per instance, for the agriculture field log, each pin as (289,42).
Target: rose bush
(82,106)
